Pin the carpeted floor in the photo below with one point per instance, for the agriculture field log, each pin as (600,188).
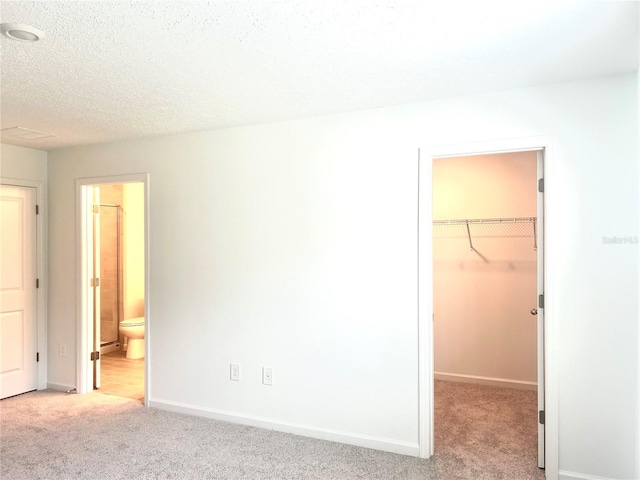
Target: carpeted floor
(486,432)
(481,433)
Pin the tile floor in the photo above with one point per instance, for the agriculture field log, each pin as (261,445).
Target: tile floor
(122,376)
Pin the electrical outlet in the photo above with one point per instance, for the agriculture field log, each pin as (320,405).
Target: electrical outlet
(235,372)
(267,376)
(62,349)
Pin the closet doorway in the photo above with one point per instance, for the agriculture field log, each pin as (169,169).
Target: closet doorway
(547,325)
(485,302)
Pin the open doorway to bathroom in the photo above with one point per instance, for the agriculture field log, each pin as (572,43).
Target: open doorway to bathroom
(121,251)
(113,245)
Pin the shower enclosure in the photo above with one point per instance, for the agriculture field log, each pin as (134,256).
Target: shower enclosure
(111,301)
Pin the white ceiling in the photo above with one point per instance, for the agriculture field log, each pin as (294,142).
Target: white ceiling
(116,70)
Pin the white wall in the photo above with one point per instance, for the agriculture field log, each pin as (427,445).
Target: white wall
(23,163)
(294,245)
(482,298)
(638,297)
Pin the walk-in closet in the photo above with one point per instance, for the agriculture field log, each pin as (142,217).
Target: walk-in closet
(485,252)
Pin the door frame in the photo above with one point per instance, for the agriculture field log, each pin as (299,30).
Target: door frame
(84,377)
(425,288)
(41,272)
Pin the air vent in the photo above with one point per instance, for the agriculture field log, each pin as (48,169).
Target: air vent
(24,133)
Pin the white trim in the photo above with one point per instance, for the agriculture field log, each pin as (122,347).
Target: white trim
(58,387)
(564,475)
(425,310)
(41,272)
(490,381)
(367,441)
(425,293)
(84,380)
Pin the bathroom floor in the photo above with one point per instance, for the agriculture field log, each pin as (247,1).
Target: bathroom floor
(121,376)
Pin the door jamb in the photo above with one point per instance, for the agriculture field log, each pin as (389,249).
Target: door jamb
(425,289)
(41,272)
(84,377)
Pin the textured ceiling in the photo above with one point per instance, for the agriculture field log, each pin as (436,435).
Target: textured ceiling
(115,70)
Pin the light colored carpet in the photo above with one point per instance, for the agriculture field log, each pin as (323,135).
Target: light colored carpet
(486,432)
(51,435)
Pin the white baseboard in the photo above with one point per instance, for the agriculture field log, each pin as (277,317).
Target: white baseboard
(494,382)
(563,475)
(384,444)
(114,347)
(59,387)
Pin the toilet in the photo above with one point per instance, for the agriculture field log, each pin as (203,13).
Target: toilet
(133,329)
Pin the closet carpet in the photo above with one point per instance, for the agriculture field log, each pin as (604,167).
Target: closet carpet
(481,433)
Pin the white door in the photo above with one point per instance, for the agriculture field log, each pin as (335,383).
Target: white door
(540,309)
(18,332)
(93,246)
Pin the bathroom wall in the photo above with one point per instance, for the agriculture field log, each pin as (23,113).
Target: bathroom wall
(482,299)
(133,205)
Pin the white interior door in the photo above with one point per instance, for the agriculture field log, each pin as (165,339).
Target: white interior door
(18,330)
(540,311)
(95,214)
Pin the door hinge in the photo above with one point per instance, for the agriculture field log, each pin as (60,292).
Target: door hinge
(94,282)
(37,209)
(541,185)
(541,301)
(96,209)
(37,283)
(541,417)
(95,356)
(37,356)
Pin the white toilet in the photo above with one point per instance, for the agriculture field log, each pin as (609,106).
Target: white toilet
(133,329)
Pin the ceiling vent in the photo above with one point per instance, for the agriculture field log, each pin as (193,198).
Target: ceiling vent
(24,133)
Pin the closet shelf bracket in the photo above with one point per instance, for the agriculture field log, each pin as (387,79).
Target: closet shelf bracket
(469,236)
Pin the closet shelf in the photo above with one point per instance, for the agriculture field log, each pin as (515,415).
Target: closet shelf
(491,221)
(465,221)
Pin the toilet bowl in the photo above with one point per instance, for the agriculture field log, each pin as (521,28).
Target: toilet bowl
(133,329)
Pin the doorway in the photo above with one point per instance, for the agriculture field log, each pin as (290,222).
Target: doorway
(547,329)
(114,277)
(485,293)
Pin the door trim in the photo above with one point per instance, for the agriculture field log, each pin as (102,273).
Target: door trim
(425,288)
(84,375)
(41,272)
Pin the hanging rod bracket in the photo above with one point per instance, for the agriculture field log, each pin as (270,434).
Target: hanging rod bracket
(469,236)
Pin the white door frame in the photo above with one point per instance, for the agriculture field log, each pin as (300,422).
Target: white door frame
(84,380)
(425,289)
(41,272)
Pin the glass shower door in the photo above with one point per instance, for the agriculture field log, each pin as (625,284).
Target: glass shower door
(110,273)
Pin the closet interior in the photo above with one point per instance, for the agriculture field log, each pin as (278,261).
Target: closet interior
(485,253)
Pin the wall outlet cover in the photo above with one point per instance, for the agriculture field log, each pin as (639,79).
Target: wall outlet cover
(235,372)
(267,376)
